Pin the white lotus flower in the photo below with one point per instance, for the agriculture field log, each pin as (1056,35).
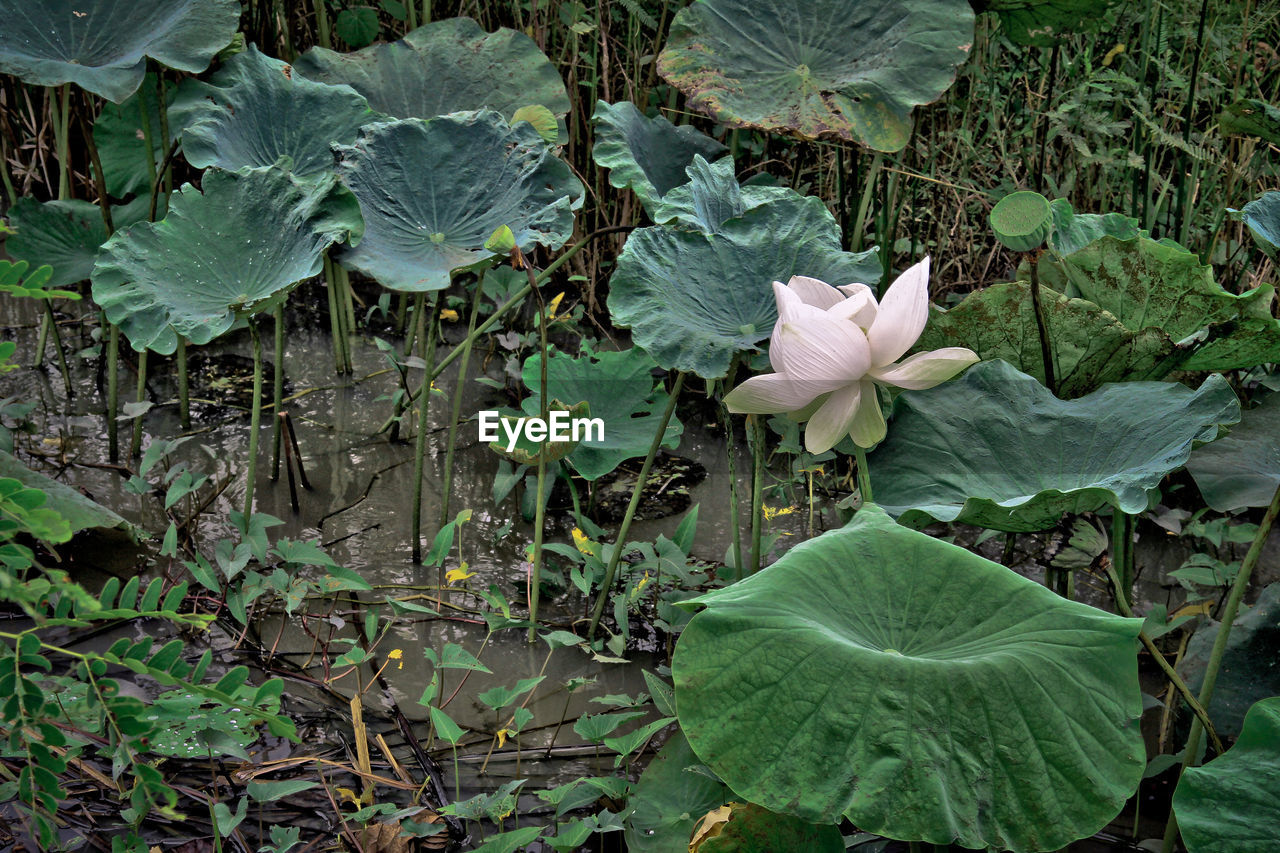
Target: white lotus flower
(831,346)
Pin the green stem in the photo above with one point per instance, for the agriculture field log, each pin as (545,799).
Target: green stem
(59,120)
(335,324)
(1122,553)
(458,389)
(864,474)
(1229,611)
(184,386)
(757,490)
(515,300)
(1170,672)
(1046,353)
(540,508)
(140,395)
(57,348)
(620,541)
(322,25)
(255,419)
(277,394)
(420,439)
(113,392)
(732,464)
(859,224)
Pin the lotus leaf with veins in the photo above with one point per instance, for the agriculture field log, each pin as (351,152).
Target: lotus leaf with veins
(995,448)
(103,45)
(446,66)
(233,249)
(647,155)
(255,110)
(822,68)
(919,690)
(694,299)
(433,191)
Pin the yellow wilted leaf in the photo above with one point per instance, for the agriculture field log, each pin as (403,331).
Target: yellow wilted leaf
(583,543)
(448,315)
(455,575)
(709,826)
(503,734)
(354,798)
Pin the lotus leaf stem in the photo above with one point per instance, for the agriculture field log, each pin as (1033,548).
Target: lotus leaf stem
(1229,610)
(757,490)
(420,439)
(184,386)
(1046,352)
(855,238)
(113,392)
(277,393)
(140,395)
(621,539)
(1122,554)
(255,419)
(458,390)
(732,465)
(1170,672)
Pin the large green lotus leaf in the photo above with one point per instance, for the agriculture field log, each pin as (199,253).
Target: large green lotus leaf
(66,235)
(693,299)
(1154,284)
(996,449)
(446,66)
(122,146)
(712,197)
(1242,469)
(1251,117)
(1262,216)
(1044,23)
(669,798)
(433,191)
(824,68)
(1089,345)
(255,111)
(916,688)
(103,45)
(234,249)
(647,155)
(1250,668)
(1232,804)
(620,390)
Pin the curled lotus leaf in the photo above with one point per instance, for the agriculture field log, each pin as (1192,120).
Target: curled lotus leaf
(693,299)
(255,110)
(103,45)
(1156,284)
(647,155)
(996,449)
(1073,231)
(821,69)
(1262,217)
(1089,345)
(916,688)
(1232,804)
(434,191)
(236,247)
(446,66)
(712,196)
